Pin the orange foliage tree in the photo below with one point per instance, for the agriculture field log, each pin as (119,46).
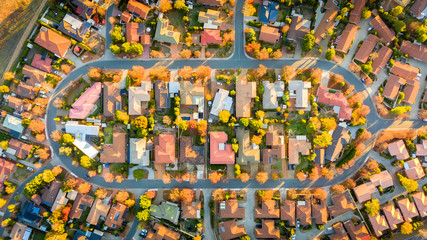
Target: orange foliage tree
(261,177)
(36,126)
(84,188)
(164,5)
(109,177)
(215,177)
(166,178)
(186,195)
(122,196)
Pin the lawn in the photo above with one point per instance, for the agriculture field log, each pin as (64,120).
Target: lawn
(38,235)
(193,15)
(298,128)
(283,12)
(21,174)
(75,92)
(305,164)
(108,137)
(175,18)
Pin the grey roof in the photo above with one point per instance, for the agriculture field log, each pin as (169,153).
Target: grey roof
(272,91)
(340,138)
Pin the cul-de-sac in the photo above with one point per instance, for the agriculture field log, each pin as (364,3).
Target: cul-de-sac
(213,119)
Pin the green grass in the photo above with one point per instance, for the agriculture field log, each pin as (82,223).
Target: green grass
(283,12)
(21,174)
(193,15)
(75,92)
(175,18)
(108,138)
(38,235)
(305,164)
(297,128)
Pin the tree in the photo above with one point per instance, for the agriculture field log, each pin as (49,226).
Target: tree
(287,72)
(101,193)
(9,187)
(248,9)
(144,202)
(136,74)
(308,42)
(301,176)
(143,215)
(180,5)
(140,122)
(291,194)
(224,116)
(156,54)
(320,193)
(337,189)
(164,5)
(94,73)
(215,177)
(406,228)
(261,177)
(328,124)
(115,49)
(85,161)
(277,54)
(84,188)
(109,177)
(349,183)
(323,140)
(244,177)
(166,178)
(372,207)
(366,13)
(255,124)
(67,139)
(8,76)
(2,202)
(328,173)
(43,153)
(260,71)
(122,196)
(48,176)
(116,35)
(185,53)
(396,11)
(36,126)
(7,222)
(400,110)
(256,139)
(330,54)
(12,208)
(4,144)
(127,47)
(4,89)
(262,55)
(367,67)
(186,195)
(122,116)
(244,122)
(56,135)
(399,26)
(409,184)
(259,114)
(160,73)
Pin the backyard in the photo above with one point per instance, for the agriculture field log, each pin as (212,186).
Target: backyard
(75,91)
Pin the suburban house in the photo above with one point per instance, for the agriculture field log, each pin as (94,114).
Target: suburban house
(210,36)
(299,28)
(191,210)
(268,12)
(379,62)
(88,235)
(408,209)
(420,200)
(277,148)
(216,3)
(269,34)
(304,212)
(320,156)
(339,232)
(85,8)
(340,138)
(52,42)
(139,96)
(80,204)
(17,104)
(404,70)
(31,214)
(328,21)
(297,146)
(189,153)
(14,124)
(165,32)
(135,33)
(230,230)
(393,216)
(19,149)
(81,134)
(356,13)
(267,230)
(222,101)
(6,169)
(42,62)
(379,224)
(230,209)
(382,179)
(384,33)
(210,19)
(421,148)
(161,95)
(346,38)
(115,152)
(336,99)
(139,151)
(20,232)
(220,152)
(398,149)
(414,50)
(419,9)
(33,76)
(167,211)
(411,91)
(50,192)
(26,91)
(272,91)
(98,210)
(319,211)
(72,26)
(342,203)
(60,201)
(248,151)
(298,90)
(164,148)
(125,17)
(366,48)
(413,169)
(115,216)
(358,232)
(191,94)
(245,93)
(162,232)
(138,9)
(112,99)
(364,191)
(86,102)
(268,209)
(393,86)
(287,212)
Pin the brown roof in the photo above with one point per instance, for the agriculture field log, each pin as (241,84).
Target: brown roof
(408,209)
(269,34)
(97,210)
(26,91)
(366,49)
(411,91)
(268,209)
(36,199)
(42,63)
(296,29)
(359,232)
(404,70)
(217,3)
(230,209)
(304,212)
(162,233)
(132,32)
(125,17)
(52,41)
(393,216)
(162,94)
(381,60)
(115,216)
(138,8)
(379,224)
(34,75)
(327,23)
(164,149)
(422,147)
(145,39)
(267,230)
(18,231)
(319,212)
(191,210)
(418,7)
(49,194)
(22,149)
(386,35)
(245,92)
(414,170)
(392,87)
(287,212)
(341,204)
(15,103)
(230,230)
(398,149)
(363,192)
(80,204)
(340,233)
(417,51)
(111,98)
(420,200)
(115,152)
(347,38)
(382,179)
(297,147)
(356,13)
(188,153)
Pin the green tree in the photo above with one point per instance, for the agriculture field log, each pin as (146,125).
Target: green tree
(308,42)
(366,13)
(144,202)
(139,174)
(224,116)
(259,114)
(137,48)
(396,11)
(122,117)
(311,128)
(126,47)
(248,9)
(115,49)
(367,67)
(143,215)
(323,140)
(116,35)
(139,122)
(400,97)
(255,124)
(400,110)
(86,162)
(372,207)
(244,122)
(399,26)
(181,6)
(330,54)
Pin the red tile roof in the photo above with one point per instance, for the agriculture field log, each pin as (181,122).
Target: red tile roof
(392,87)
(411,91)
(164,150)
(220,152)
(414,170)
(267,230)
(340,233)
(21,149)
(381,60)
(356,13)
(327,22)
(347,38)
(138,8)
(319,212)
(115,216)
(382,179)
(304,212)
(420,200)
(116,151)
(268,209)
(379,224)
(131,32)
(211,36)
(52,41)
(335,99)
(287,212)
(230,209)
(408,209)
(386,35)
(404,70)
(393,216)
(6,168)
(80,204)
(366,49)
(363,192)
(359,232)
(44,65)
(418,7)
(230,230)
(34,75)
(269,34)
(341,204)
(417,51)
(398,149)
(191,210)
(125,17)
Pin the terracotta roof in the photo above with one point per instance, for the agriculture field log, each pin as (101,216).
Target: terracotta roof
(230,209)
(220,152)
(381,60)
(6,168)
(335,98)
(304,212)
(115,216)
(269,34)
(287,212)
(392,87)
(111,98)
(15,103)
(164,149)
(404,70)
(327,23)
(189,153)
(408,209)
(52,41)
(162,233)
(421,148)
(145,39)
(21,149)
(132,35)
(366,49)
(245,93)
(267,210)
(138,8)
(418,7)
(340,233)
(341,204)
(278,148)
(125,17)
(359,232)
(97,210)
(217,3)
(398,149)
(26,91)
(296,29)
(421,203)
(411,91)
(80,204)
(210,36)
(356,13)
(18,231)
(347,38)
(86,102)
(414,170)
(49,193)
(115,152)
(386,35)
(417,51)
(34,75)
(42,64)
(191,210)
(379,224)
(297,147)
(267,230)
(393,216)
(382,179)
(230,230)
(319,212)
(363,192)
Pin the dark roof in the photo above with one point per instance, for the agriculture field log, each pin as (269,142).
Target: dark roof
(340,138)
(31,214)
(88,235)
(320,156)
(268,11)
(162,94)
(188,153)
(50,193)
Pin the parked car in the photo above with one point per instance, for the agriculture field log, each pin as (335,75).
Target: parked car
(30,169)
